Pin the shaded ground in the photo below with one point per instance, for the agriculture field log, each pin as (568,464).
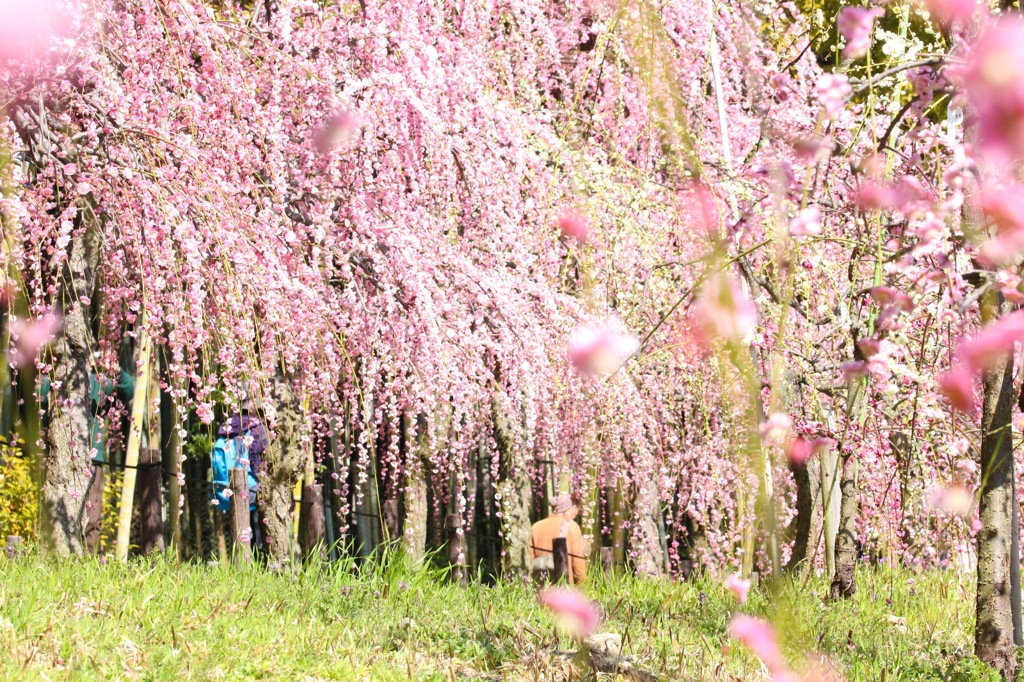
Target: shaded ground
(152,620)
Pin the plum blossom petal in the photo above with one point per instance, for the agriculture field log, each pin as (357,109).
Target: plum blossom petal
(724,311)
(28,337)
(573,609)
(336,131)
(775,428)
(832,90)
(949,11)
(574,226)
(993,80)
(758,636)
(855,25)
(957,385)
(994,341)
(738,586)
(601,349)
(806,222)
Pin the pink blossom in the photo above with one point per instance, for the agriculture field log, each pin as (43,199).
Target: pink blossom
(775,428)
(948,11)
(724,311)
(28,337)
(811,149)
(1004,206)
(573,609)
(601,349)
(574,226)
(799,451)
(994,81)
(869,347)
(205,412)
(855,24)
(832,90)
(967,466)
(25,27)
(888,296)
(953,499)
(738,586)
(957,385)
(806,222)
(758,636)
(852,370)
(338,130)
(874,196)
(994,341)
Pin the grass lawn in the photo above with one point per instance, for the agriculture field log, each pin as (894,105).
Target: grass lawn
(154,620)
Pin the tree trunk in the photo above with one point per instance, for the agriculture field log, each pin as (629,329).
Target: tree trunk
(994,635)
(67,450)
(415,537)
(809,520)
(284,462)
(646,540)
(515,489)
(831,503)
(844,584)
(170,453)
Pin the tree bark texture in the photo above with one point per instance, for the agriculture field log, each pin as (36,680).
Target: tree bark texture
(416,510)
(809,522)
(844,584)
(516,492)
(645,541)
(284,462)
(67,450)
(994,635)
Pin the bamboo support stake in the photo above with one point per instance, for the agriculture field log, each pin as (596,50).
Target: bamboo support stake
(131,458)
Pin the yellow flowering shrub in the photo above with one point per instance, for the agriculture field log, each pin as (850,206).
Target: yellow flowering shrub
(19,498)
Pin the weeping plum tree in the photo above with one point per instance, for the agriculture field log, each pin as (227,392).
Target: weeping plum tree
(398,199)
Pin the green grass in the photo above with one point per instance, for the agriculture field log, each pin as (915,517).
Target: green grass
(154,620)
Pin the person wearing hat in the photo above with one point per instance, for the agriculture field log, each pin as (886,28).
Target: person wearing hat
(559,524)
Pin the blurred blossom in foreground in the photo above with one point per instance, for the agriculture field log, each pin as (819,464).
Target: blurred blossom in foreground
(738,586)
(953,499)
(25,27)
(807,222)
(957,385)
(29,336)
(574,226)
(948,11)
(800,450)
(758,636)
(600,350)
(993,342)
(993,80)
(832,90)
(573,610)
(724,311)
(855,25)
(338,130)
(775,428)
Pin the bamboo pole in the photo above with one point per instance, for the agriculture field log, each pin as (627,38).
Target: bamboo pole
(131,458)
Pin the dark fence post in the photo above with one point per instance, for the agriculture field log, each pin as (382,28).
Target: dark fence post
(241,532)
(151,516)
(608,559)
(560,550)
(94,509)
(457,548)
(312,517)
